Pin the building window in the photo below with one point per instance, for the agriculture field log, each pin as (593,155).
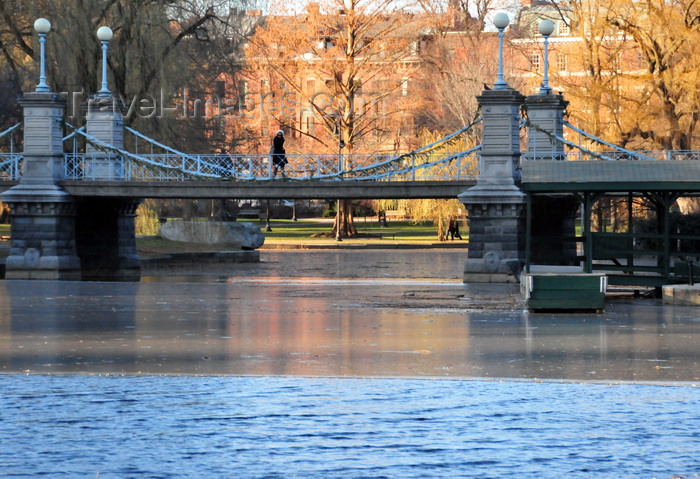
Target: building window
(535,62)
(220,89)
(562,62)
(404,87)
(309,124)
(311,86)
(243,88)
(564,28)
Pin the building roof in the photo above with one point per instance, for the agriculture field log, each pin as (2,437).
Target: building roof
(611,176)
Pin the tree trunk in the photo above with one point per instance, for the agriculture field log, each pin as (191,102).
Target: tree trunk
(344,220)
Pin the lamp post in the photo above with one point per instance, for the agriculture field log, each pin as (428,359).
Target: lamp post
(42,26)
(104,34)
(546,28)
(341,167)
(500,21)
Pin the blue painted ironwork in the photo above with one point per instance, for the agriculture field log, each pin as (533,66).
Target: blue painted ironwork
(10,129)
(431,162)
(563,149)
(425,163)
(443,166)
(11,162)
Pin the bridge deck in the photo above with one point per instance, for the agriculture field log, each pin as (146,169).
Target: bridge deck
(275,189)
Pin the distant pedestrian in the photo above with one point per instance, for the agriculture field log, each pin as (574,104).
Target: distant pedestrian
(279,157)
(453,230)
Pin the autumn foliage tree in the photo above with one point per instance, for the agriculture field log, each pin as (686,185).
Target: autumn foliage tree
(666,36)
(640,87)
(636,64)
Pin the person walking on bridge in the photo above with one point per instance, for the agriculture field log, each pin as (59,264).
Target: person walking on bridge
(279,159)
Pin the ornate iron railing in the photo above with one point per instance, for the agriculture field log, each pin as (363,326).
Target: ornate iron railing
(596,149)
(431,162)
(162,167)
(436,161)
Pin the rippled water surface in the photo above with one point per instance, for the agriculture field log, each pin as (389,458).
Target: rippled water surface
(342,364)
(216,427)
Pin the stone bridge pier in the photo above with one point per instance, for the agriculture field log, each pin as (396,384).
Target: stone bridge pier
(496,206)
(553,224)
(57,236)
(105,232)
(43,242)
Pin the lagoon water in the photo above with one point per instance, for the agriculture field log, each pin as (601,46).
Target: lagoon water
(345,364)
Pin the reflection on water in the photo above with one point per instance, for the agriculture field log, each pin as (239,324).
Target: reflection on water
(316,326)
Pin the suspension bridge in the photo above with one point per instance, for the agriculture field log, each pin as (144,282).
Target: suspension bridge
(154,170)
(107,177)
(73,208)
(151,169)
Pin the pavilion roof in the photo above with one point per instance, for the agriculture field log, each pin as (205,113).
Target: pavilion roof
(611,176)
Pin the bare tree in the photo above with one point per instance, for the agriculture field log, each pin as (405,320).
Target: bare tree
(349,46)
(159,47)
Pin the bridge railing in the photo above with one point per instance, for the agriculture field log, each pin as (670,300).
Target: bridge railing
(163,163)
(11,166)
(10,157)
(590,147)
(578,154)
(168,167)
(420,165)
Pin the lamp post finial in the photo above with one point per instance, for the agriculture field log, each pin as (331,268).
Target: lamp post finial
(500,21)
(546,28)
(42,26)
(104,34)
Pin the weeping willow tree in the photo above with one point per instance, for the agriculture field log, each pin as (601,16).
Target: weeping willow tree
(441,212)
(146,221)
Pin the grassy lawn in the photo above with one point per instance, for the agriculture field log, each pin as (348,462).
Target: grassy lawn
(295,232)
(307,232)
(287,231)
